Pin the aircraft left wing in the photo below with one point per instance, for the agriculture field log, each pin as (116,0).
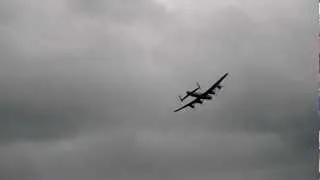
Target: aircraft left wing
(189,104)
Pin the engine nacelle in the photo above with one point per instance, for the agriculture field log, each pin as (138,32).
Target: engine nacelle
(208,97)
(199,101)
(192,106)
(219,86)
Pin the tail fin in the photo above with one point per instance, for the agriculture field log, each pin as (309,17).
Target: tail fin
(198,85)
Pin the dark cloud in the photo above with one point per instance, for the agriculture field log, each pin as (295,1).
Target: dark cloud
(87,90)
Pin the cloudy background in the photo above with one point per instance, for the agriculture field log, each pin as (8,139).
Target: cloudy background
(88,89)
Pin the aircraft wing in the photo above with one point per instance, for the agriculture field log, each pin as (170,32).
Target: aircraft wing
(189,104)
(215,84)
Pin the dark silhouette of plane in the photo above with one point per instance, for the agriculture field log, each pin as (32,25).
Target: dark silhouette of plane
(206,95)
(190,93)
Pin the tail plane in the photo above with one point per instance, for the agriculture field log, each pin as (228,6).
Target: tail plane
(181,99)
(189,93)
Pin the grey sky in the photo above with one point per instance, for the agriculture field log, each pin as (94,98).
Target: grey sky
(88,89)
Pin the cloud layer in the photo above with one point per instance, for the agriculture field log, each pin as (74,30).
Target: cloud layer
(87,89)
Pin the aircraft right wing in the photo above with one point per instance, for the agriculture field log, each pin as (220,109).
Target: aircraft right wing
(215,85)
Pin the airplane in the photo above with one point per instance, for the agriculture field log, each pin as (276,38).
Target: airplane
(190,93)
(205,95)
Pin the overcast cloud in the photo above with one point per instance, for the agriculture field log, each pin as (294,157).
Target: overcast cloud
(88,89)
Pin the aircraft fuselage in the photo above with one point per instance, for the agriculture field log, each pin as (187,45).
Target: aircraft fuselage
(201,96)
(207,97)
